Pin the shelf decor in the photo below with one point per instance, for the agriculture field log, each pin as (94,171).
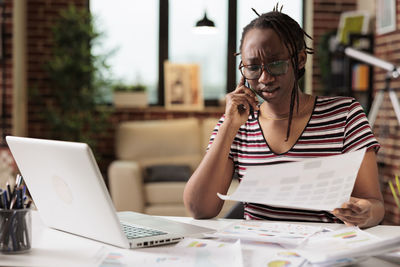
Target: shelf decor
(182,86)
(125,96)
(385,16)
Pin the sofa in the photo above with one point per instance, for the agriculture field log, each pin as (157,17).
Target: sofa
(154,159)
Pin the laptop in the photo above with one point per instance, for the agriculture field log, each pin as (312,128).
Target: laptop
(69,192)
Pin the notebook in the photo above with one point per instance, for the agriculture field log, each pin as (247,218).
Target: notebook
(69,192)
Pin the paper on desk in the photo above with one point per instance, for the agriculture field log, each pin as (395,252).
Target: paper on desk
(348,242)
(286,234)
(323,183)
(189,252)
(393,256)
(278,258)
(256,253)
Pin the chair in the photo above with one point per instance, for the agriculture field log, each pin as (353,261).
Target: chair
(154,147)
(236,212)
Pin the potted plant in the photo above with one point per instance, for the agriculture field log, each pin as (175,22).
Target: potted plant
(73,112)
(130,95)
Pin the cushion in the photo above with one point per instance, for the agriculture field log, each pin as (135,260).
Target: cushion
(167,173)
(138,140)
(164,193)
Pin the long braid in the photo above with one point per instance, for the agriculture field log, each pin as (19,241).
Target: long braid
(293,36)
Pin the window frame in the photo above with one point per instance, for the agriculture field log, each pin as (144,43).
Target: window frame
(231,49)
(164,47)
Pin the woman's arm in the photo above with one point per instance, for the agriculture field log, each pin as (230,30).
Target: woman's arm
(365,208)
(214,174)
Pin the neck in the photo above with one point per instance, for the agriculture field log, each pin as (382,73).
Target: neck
(281,111)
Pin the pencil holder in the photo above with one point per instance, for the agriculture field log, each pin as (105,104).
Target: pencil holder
(15,230)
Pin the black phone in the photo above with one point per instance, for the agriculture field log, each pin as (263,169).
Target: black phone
(246,83)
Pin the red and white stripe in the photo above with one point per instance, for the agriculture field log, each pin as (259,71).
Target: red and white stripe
(337,125)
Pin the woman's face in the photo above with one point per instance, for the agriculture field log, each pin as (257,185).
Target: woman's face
(263,46)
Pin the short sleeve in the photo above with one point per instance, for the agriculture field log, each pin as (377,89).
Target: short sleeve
(358,133)
(214,133)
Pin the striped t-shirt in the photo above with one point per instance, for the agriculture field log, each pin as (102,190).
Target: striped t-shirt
(337,125)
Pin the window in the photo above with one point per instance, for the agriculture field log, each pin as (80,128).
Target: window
(130,30)
(207,50)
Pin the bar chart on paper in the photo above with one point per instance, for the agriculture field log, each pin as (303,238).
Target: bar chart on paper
(323,183)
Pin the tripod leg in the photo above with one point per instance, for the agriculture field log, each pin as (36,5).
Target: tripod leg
(395,104)
(375,107)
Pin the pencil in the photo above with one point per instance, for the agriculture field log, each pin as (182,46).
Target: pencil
(396,199)
(398,184)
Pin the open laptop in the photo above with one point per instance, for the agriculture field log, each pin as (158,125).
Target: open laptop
(70,194)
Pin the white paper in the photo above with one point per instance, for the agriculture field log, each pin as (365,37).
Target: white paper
(323,183)
(256,253)
(348,242)
(189,252)
(286,234)
(278,258)
(393,256)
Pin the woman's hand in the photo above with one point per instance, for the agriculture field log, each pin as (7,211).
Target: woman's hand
(238,104)
(356,212)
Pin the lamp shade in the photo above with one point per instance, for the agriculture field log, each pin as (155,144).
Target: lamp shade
(205,22)
(205,26)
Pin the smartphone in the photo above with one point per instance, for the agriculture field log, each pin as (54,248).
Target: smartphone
(246,83)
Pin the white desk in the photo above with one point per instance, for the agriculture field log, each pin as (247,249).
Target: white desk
(55,248)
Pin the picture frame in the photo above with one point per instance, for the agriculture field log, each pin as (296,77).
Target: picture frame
(182,86)
(385,16)
(352,22)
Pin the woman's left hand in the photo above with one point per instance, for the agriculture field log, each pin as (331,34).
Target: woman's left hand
(355,212)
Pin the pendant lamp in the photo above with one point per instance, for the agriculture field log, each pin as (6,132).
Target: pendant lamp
(205,26)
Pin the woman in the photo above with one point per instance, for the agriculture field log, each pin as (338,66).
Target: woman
(283,124)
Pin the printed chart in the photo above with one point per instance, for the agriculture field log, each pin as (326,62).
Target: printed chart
(323,183)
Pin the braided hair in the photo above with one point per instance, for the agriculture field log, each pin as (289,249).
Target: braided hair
(293,36)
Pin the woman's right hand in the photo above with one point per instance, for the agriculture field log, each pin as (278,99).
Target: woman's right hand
(238,102)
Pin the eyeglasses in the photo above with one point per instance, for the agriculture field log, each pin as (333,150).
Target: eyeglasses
(253,71)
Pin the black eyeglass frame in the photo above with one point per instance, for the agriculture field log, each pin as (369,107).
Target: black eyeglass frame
(264,67)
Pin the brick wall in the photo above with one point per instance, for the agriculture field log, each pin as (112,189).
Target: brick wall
(6,70)
(326,19)
(387,47)
(386,129)
(7,165)
(41,16)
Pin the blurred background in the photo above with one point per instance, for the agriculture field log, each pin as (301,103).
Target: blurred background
(67,66)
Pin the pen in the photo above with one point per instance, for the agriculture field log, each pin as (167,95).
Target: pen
(5,200)
(1,199)
(396,199)
(18,180)
(14,232)
(10,192)
(13,201)
(19,200)
(14,197)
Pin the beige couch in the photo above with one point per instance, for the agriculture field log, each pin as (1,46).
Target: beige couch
(143,144)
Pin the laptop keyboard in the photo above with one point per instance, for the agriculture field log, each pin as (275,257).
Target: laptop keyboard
(133,232)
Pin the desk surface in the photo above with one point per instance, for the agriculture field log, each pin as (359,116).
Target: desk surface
(56,248)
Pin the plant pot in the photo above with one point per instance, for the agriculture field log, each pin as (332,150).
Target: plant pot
(130,99)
